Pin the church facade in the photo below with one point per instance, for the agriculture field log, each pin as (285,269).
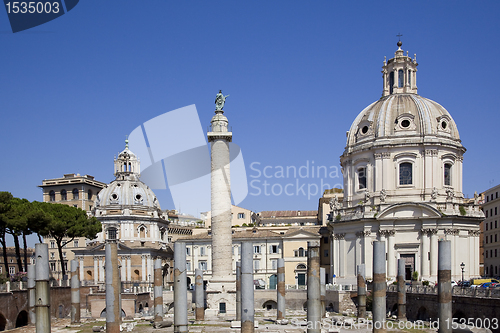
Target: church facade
(402,169)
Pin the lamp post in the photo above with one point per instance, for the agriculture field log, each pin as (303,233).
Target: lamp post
(462,266)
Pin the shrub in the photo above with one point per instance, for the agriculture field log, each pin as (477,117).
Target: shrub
(462,211)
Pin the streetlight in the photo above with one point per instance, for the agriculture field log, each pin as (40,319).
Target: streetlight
(462,266)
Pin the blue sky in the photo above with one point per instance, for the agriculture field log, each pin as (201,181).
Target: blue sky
(297,73)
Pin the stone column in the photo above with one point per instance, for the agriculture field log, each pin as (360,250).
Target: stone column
(143,268)
(341,261)
(361,292)
(313,287)
(75,293)
(444,287)
(96,270)
(434,253)
(158,291)
(180,288)
(379,286)
(247,289)
(42,289)
(82,269)
(391,258)
(31,294)
(101,269)
(424,257)
(322,285)
(401,290)
(113,288)
(281,290)
(219,137)
(129,268)
(238,290)
(200,294)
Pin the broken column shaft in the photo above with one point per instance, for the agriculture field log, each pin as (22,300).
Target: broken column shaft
(42,289)
(238,290)
(180,288)
(113,288)
(379,286)
(281,290)
(361,291)
(247,286)
(75,293)
(31,294)
(313,287)
(401,290)
(158,291)
(444,287)
(199,295)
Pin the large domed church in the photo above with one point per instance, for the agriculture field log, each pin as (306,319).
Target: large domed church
(402,169)
(129,209)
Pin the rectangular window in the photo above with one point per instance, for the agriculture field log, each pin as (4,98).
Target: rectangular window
(52,266)
(52,255)
(256,249)
(52,244)
(325,240)
(188,265)
(1,269)
(495,253)
(202,250)
(405,174)
(241,215)
(202,265)
(188,251)
(486,224)
(495,238)
(274,264)
(496,212)
(325,253)
(486,254)
(75,243)
(64,254)
(447,174)
(361,178)
(491,238)
(273,249)
(496,226)
(486,214)
(491,212)
(256,264)
(12,270)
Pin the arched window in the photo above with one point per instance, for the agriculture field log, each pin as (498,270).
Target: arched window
(361,178)
(401,78)
(405,174)
(89,194)
(409,77)
(64,195)
(75,194)
(301,266)
(52,196)
(447,174)
(301,252)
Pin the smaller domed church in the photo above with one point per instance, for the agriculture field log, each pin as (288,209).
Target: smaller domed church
(129,211)
(402,169)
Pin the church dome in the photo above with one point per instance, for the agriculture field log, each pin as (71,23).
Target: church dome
(128,193)
(400,117)
(127,189)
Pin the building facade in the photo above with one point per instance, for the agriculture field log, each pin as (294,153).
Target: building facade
(72,190)
(491,231)
(402,169)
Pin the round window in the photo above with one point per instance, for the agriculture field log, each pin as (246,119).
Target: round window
(138,197)
(444,124)
(405,123)
(114,196)
(364,129)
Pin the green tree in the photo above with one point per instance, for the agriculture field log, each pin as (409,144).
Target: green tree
(5,205)
(66,221)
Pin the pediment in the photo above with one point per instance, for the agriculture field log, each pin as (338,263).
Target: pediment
(301,234)
(409,211)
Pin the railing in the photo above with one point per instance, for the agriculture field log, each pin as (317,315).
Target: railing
(456,291)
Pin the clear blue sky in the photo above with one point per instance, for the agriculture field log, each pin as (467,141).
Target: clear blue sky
(298,74)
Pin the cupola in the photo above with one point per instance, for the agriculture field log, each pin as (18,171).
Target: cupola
(400,73)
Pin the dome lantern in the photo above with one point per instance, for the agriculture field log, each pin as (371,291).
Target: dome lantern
(127,165)
(400,73)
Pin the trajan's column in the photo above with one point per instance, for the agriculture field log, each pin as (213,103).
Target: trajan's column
(221,290)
